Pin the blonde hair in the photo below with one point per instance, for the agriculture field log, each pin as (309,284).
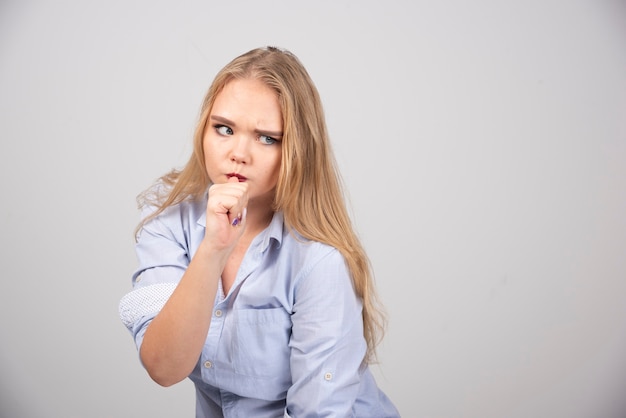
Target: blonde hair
(309,190)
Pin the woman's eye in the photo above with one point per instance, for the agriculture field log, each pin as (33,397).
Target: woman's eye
(223,130)
(267,140)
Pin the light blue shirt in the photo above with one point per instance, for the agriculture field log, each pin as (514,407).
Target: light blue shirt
(286,341)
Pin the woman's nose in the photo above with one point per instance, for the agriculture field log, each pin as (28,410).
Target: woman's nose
(240,152)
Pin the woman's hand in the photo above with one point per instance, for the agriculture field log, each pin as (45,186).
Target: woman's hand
(226,214)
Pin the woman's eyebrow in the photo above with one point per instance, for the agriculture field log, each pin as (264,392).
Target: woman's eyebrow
(273,134)
(221,119)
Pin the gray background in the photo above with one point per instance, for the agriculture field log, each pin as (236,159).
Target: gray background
(483,145)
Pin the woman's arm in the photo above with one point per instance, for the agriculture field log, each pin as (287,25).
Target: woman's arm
(174,339)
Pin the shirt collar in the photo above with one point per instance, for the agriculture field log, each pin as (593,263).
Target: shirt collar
(274,231)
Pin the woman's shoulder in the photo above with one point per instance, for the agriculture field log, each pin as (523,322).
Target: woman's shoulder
(307,252)
(151,201)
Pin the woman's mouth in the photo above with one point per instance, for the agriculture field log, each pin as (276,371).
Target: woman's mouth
(239,176)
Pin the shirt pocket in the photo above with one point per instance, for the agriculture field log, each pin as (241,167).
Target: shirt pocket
(260,343)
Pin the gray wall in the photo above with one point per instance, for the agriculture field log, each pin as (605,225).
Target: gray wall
(483,145)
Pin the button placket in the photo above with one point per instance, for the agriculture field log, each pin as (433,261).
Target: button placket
(209,351)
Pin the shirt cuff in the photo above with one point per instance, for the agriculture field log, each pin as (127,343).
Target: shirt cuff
(144,301)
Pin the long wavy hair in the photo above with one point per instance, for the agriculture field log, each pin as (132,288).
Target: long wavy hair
(309,189)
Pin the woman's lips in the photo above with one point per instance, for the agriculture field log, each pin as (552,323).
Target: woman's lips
(239,176)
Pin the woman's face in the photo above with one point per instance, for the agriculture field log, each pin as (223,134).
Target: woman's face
(243,137)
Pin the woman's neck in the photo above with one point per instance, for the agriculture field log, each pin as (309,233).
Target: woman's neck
(258,217)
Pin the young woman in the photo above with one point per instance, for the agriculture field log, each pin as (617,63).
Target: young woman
(251,280)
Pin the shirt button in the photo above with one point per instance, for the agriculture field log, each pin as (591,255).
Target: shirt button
(208,364)
(328,376)
(218,313)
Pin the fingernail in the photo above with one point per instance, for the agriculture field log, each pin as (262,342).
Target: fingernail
(236,220)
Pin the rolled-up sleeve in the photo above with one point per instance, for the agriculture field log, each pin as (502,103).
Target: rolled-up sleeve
(327,343)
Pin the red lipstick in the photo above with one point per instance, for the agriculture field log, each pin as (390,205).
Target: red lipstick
(239,176)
